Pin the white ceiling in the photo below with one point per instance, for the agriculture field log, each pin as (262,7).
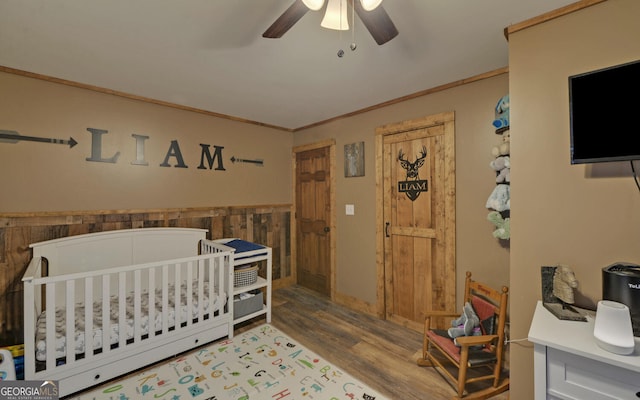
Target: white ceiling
(210,54)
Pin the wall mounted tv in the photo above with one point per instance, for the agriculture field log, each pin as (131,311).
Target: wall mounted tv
(604,107)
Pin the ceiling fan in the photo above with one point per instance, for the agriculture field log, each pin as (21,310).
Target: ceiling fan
(370,12)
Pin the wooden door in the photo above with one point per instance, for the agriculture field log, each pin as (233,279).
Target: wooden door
(313,219)
(418,217)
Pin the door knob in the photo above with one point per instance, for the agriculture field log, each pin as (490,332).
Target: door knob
(326,229)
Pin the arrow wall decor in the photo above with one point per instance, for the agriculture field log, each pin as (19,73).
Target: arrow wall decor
(15,137)
(234,159)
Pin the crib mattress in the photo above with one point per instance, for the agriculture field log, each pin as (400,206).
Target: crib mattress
(114,328)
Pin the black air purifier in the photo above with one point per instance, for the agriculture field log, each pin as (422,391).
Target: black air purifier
(621,283)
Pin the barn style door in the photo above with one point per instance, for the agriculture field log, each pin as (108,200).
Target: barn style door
(418,216)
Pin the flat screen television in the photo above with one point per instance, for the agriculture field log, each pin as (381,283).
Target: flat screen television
(604,107)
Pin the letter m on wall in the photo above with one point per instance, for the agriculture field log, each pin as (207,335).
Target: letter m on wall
(206,155)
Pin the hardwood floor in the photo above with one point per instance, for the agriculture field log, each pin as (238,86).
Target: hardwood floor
(379,353)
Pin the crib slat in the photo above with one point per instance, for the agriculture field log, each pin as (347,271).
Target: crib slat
(189,293)
(71,317)
(205,277)
(217,285)
(51,325)
(165,298)
(152,302)
(226,282)
(122,309)
(177,300)
(200,280)
(106,313)
(88,318)
(212,278)
(137,297)
(196,283)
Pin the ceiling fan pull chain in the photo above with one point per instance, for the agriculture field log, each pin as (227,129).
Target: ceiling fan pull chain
(353,44)
(340,51)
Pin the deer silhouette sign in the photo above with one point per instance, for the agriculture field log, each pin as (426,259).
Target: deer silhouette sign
(413,185)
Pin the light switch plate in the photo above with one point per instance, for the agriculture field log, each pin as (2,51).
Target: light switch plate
(350,209)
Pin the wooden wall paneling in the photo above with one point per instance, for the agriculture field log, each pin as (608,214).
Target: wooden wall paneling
(217,227)
(16,245)
(2,249)
(283,270)
(236,225)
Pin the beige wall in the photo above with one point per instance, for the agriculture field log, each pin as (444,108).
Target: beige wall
(54,177)
(477,250)
(564,213)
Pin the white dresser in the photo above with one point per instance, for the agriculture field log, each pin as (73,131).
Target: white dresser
(568,364)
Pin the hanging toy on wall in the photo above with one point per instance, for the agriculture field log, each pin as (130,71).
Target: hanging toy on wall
(504,147)
(502,166)
(501,120)
(499,201)
(503,225)
(500,198)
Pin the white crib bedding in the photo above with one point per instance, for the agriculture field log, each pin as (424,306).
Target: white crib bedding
(114,336)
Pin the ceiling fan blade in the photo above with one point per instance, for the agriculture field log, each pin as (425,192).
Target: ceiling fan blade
(377,22)
(285,21)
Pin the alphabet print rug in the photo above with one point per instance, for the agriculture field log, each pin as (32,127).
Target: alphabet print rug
(262,364)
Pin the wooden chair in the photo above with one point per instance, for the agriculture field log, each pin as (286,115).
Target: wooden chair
(470,358)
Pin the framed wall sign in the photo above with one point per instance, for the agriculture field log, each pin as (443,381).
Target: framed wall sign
(354,159)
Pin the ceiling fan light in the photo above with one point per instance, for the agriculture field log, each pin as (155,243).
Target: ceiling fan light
(336,15)
(370,5)
(314,5)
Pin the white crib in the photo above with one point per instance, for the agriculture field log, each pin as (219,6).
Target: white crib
(100,305)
